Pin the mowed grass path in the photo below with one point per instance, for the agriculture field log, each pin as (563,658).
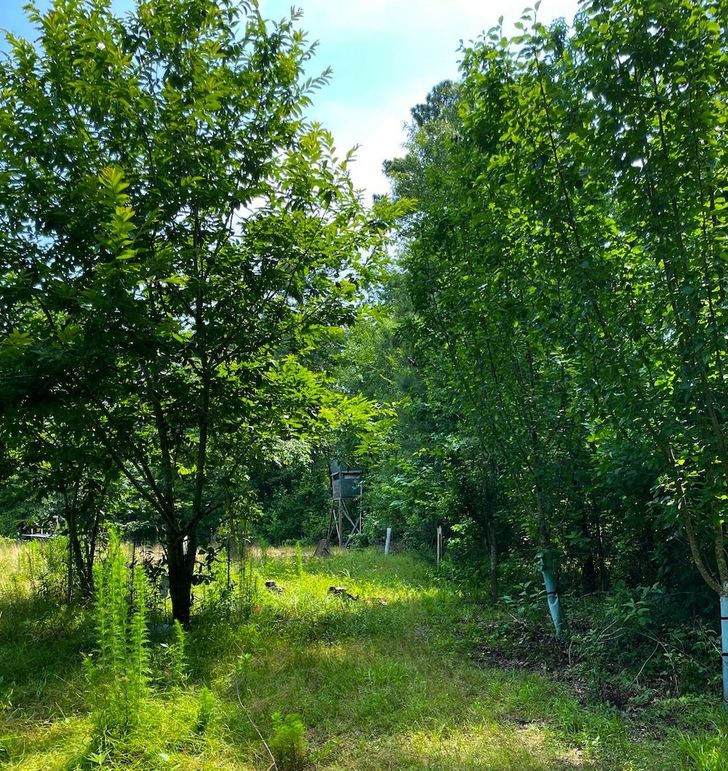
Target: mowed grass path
(383,682)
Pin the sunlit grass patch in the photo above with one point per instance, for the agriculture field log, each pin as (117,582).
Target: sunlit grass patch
(51,745)
(383,681)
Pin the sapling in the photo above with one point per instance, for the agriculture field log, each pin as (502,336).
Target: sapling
(288,742)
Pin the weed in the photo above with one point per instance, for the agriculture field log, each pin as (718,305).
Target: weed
(118,672)
(707,752)
(288,742)
(205,708)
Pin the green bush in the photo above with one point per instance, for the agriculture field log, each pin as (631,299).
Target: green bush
(288,742)
(632,644)
(526,602)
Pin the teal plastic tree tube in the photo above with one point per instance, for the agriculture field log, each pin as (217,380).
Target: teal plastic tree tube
(724,646)
(552,594)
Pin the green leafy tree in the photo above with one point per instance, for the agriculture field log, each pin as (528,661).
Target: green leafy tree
(566,274)
(174,235)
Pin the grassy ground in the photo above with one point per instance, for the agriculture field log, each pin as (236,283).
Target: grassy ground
(383,682)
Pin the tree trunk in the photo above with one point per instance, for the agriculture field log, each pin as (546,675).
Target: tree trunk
(84,568)
(588,548)
(181,563)
(69,574)
(601,562)
(493,553)
(588,574)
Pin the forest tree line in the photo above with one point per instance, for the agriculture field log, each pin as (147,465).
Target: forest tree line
(540,366)
(557,319)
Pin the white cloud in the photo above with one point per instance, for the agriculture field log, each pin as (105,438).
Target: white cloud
(378,134)
(386,56)
(378,129)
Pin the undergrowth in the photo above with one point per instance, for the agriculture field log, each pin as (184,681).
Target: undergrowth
(400,671)
(628,648)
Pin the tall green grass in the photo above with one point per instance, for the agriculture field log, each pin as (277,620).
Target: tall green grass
(388,680)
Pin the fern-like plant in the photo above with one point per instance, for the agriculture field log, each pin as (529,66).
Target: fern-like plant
(288,742)
(118,672)
(205,709)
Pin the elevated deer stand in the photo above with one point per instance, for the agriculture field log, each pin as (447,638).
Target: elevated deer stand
(346,493)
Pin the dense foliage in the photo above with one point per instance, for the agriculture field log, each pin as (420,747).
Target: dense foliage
(561,304)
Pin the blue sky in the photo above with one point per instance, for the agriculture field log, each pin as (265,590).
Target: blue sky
(386,55)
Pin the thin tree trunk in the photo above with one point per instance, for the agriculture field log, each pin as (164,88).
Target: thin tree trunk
(588,568)
(493,553)
(83,562)
(76,553)
(599,539)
